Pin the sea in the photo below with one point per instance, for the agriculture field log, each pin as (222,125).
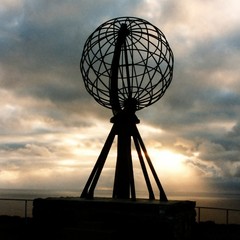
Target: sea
(217,207)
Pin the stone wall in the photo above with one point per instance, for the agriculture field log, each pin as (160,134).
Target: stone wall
(116,219)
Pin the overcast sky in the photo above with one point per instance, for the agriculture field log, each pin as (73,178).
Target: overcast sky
(52,130)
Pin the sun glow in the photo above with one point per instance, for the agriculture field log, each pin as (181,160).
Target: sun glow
(168,161)
(174,170)
(8,176)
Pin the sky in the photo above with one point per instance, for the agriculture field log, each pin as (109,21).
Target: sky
(52,130)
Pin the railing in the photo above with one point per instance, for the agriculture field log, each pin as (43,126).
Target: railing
(25,201)
(199,210)
(226,212)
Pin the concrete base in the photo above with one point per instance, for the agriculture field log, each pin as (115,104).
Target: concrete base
(107,218)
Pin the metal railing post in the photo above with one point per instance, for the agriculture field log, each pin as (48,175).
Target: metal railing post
(199,214)
(227,210)
(25,215)
(227,216)
(25,209)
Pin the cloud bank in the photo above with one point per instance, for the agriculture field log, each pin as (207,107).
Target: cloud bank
(52,130)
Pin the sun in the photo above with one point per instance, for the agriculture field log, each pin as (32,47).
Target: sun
(168,161)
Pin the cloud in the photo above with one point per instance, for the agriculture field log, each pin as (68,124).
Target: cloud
(48,121)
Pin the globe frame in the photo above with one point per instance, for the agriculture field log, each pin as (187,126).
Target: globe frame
(144,68)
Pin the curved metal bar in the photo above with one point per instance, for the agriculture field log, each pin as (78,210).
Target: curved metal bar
(122,34)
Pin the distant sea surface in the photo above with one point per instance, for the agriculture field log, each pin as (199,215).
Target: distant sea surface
(212,200)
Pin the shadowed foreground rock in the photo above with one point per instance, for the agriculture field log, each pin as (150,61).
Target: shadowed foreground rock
(16,228)
(107,218)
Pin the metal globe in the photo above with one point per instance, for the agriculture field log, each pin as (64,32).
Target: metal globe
(144,67)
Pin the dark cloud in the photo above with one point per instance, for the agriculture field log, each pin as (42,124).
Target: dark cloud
(43,95)
(227,185)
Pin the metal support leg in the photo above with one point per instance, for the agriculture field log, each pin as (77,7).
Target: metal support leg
(163,196)
(147,180)
(88,190)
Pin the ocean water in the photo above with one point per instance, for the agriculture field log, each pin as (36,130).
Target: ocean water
(18,202)
(217,207)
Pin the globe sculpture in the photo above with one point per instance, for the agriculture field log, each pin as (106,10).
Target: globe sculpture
(126,65)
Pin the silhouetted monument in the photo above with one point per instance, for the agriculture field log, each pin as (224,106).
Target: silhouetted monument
(126,65)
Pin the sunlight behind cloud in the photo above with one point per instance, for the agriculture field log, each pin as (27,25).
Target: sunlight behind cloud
(7,4)
(174,171)
(68,162)
(8,177)
(52,131)
(168,161)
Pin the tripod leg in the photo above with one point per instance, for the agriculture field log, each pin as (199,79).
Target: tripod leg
(95,174)
(149,186)
(131,178)
(163,196)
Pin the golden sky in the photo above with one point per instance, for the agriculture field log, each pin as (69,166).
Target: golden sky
(52,130)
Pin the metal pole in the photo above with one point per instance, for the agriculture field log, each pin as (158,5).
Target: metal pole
(88,190)
(227,216)
(147,180)
(25,211)
(199,214)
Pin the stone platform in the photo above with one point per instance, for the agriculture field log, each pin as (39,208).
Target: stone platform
(107,218)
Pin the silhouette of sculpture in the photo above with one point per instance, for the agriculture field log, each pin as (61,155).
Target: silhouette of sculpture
(126,65)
